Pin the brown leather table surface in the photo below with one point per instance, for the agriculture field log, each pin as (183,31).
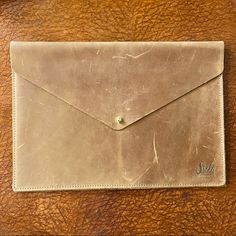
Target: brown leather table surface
(190,211)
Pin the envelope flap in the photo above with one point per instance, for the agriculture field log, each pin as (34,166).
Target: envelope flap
(117,83)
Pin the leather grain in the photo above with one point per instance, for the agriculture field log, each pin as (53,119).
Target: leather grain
(65,139)
(164,212)
(128,79)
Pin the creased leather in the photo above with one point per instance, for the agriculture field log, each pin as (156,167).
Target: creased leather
(68,96)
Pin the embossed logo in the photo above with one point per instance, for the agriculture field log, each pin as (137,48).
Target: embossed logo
(205,169)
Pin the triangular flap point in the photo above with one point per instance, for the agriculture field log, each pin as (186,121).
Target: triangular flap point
(108,80)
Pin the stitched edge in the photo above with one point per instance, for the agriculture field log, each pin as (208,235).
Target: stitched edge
(222,129)
(117,186)
(14,128)
(113,187)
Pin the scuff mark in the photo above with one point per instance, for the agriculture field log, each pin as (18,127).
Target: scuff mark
(98,51)
(119,57)
(128,100)
(90,67)
(135,96)
(168,57)
(140,176)
(41,103)
(144,90)
(139,55)
(156,157)
(155,160)
(193,56)
(204,146)
(133,56)
(22,62)
(216,132)
(20,146)
(168,178)
(127,179)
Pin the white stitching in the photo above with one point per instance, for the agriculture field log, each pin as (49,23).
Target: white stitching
(221,94)
(14,127)
(116,186)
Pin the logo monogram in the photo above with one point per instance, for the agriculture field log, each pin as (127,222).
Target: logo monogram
(205,169)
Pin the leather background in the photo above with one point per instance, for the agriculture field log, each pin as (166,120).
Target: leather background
(196,211)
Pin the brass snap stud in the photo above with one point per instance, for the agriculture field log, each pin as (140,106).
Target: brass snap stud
(120,120)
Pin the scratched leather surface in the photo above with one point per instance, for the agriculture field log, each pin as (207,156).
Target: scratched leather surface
(127,79)
(65,139)
(165,212)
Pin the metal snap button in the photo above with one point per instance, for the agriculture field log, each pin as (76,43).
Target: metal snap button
(120,120)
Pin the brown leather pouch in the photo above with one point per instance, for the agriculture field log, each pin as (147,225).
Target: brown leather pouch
(92,115)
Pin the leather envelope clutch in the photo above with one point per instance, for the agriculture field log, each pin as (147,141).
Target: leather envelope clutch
(91,115)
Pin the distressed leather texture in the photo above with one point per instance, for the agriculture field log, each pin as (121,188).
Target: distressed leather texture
(187,211)
(67,97)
